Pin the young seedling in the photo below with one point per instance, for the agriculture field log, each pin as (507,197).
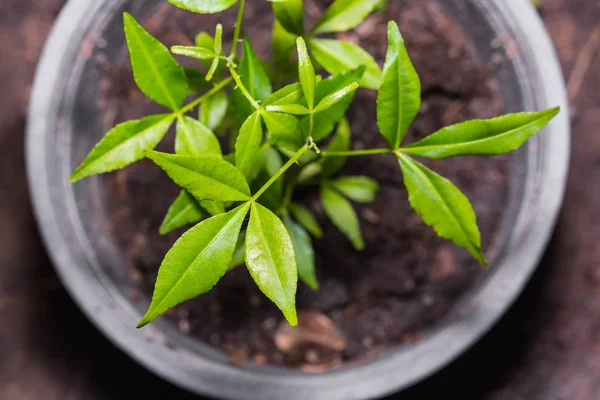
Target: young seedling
(242,200)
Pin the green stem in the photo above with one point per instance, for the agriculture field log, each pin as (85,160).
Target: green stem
(238,26)
(218,87)
(241,86)
(278,174)
(355,153)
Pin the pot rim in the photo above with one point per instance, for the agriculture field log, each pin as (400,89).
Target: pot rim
(379,377)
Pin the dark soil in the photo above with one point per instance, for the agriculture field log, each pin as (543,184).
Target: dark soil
(405,280)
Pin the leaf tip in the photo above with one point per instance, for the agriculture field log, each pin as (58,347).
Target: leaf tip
(291,316)
(146,319)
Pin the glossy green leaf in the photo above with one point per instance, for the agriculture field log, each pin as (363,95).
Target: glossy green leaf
(203,6)
(213,110)
(287,95)
(124,145)
(337,56)
(255,79)
(200,53)
(284,130)
(205,177)
(493,136)
(155,70)
(290,15)
(294,109)
(271,260)
(340,142)
(399,98)
(358,188)
(442,206)
(332,99)
(272,164)
(194,138)
(305,254)
(218,43)
(344,15)
(306,72)
(307,219)
(326,120)
(342,215)
(207,41)
(212,207)
(196,261)
(184,210)
(213,69)
(248,143)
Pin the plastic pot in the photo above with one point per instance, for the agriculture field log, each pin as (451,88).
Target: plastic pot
(63,117)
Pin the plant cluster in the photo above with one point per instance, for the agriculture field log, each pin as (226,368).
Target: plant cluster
(274,146)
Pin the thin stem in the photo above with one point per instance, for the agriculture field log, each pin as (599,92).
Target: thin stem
(241,86)
(355,153)
(238,26)
(278,174)
(218,87)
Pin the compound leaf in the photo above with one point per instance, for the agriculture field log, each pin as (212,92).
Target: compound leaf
(205,177)
(492,136)
(337,56)
(442,206)
(342,215)
(305,254)
(203,6)
(155,70)
(196,261)
(271,260)
(399,97)
(344,15)
(124,145)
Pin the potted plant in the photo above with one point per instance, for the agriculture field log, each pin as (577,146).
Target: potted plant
(283,137)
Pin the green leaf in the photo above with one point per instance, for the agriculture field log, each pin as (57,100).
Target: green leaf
(340,142)
(358,188)
(493,136)
(213,110)
(307,219)
(344,15)
(295,109)
(342,215)
(326,120)
(306,72)
(287,95)
(442,206)
(207,41)
(218,43)
(305,255)
(399,98)
(124,145)
(199,53)
(212,207)
(203,6)
(196,261)
(213,69)
(248,143)
(155,70)
(255,79)
(205,177)
(337,56)
(332,99)
(195,80)
(272,164)
(194,138)
(285,130)
(271,260)
(290,14)
(184,210)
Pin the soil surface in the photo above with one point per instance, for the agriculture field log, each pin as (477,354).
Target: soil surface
(403,282)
